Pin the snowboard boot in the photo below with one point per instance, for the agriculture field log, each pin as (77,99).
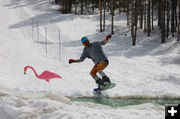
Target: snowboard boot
(100,84)
(97,92)
(106,80)
(97,89)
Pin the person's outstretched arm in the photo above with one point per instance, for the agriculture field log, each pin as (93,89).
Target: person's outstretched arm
(74,61)
(107,39)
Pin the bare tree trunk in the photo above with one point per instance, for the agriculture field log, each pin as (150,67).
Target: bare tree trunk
(81,6)
(152,14)
(112,17)
(109,2)
(162,5)
(133,21)
(127,12)
(172,19)
(175,10)
(168,16)
(159,9)
(125,5)
(100,9)
(119,6)
(136,20)
(104,4)
(141,14)
(75,6)
(179,22)
(145,16)
(148,19)
(86,3)
(93,4)
(64,7)
(70,5)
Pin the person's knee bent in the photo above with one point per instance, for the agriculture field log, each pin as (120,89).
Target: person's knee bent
(101,66)
(93,73)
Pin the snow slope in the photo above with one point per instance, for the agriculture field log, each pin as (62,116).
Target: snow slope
(149,68)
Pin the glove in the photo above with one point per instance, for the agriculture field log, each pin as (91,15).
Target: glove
(72,61)
(108,36)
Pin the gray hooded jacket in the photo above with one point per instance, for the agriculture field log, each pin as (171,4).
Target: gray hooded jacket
(94,52)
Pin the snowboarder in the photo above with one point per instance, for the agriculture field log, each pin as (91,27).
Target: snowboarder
(94,51)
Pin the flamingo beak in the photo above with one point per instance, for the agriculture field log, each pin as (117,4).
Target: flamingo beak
(24,72)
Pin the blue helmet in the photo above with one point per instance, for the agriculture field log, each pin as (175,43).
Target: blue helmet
(84,39)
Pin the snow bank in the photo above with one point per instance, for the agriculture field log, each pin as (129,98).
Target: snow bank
(12,107)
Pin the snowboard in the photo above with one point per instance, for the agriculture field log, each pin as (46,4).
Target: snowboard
(108,86)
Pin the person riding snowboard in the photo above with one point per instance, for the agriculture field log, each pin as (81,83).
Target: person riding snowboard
(94,51)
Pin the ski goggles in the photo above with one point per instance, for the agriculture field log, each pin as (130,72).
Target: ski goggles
(85,43)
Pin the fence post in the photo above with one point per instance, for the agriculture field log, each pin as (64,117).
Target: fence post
(32,29)
(46,39)
(59,46)
(38,31)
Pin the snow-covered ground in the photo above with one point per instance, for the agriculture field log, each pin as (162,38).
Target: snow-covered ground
(149,68)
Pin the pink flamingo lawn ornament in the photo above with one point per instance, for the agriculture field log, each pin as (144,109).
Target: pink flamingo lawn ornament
(46,75)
